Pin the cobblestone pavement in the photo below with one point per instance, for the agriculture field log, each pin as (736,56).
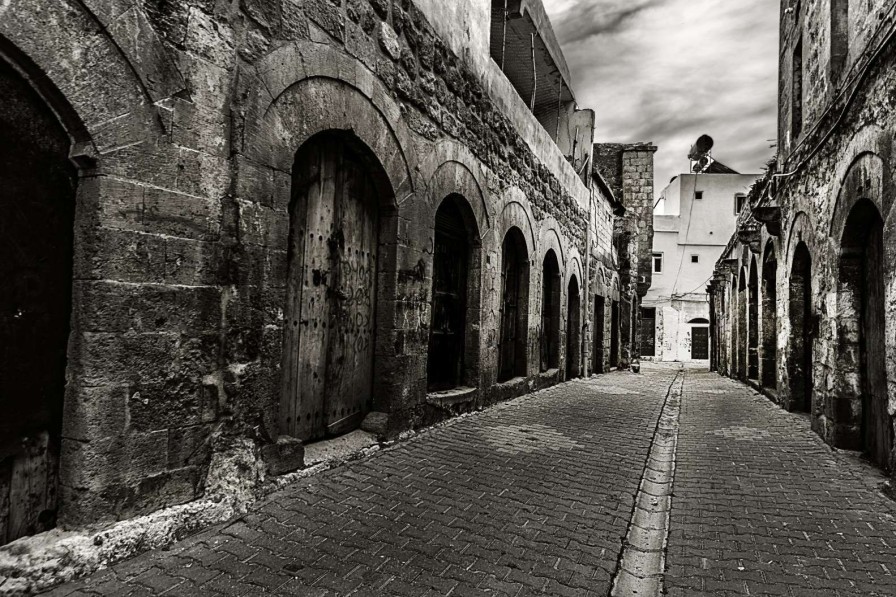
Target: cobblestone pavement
(762,506)
(535,497)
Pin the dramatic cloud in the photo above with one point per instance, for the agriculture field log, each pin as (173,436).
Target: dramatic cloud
(668,71)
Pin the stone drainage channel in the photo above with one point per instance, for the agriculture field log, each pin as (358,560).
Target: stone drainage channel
(642,562)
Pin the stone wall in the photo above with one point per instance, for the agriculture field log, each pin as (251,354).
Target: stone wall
(629,172)
(828,214)
(186,119)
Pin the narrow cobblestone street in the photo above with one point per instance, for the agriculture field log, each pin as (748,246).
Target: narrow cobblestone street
(536,496)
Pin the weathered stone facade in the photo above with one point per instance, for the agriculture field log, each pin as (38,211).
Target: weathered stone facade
(629,169)
(802,297)
(204,135)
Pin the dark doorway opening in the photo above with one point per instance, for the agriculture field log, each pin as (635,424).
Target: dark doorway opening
(450,272)
(648,331)
(862,325)
(741,332)
(769,319)
(573,329)
(331,288)
(614,334)
(753,325)
(550,312)
(37,198)
(514,306)
(599,326)
(800,361)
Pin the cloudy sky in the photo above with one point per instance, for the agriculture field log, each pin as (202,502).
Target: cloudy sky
(668,71)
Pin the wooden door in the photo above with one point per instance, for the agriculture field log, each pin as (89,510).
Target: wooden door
(599,334)
(876,418)
(573,324)
(449,300)
(614,334)
(510,315)
(699,343)
(648,331)
(37,200)
(328,350)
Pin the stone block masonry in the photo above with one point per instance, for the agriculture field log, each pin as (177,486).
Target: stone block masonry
(270,212)
(802,298)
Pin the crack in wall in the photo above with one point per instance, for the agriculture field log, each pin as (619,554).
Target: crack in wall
(642,561)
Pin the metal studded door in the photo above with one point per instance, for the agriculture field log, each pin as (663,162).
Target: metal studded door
(328,349)
(700,343)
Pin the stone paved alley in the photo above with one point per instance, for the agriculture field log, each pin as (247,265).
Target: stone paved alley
(536,496)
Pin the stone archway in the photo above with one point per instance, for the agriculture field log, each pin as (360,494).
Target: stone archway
(753,323)
(769,349)
(331,294)
(512,350)
(741,331)
(864,421)
(549,341)
(573,330)
(37,197)
(452,355)
(799,365)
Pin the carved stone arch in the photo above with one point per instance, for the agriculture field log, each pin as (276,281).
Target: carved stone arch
(801,230)
(452,168)
(863,179)
(289,122)
(136,72)
(574,268)
(549,239)
(456,178)
(516,211)
(303,88)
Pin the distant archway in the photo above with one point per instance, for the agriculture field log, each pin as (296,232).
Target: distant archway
(512,357)
(769,318)
(550,312)
(799,365)
(573,329)
(742,325)
(753,324)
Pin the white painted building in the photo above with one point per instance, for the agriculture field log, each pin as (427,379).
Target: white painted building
(693,220)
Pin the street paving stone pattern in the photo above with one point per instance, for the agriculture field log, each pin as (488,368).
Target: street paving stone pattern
(535,496)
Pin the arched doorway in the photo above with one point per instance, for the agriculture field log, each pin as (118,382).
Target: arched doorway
(454,297)
(328,353)
(769,318)
(753,324)
(799,366)
(742,325)
(614,334)
(573,328)
(514,306)
(599,326)
(37,199)
(699,338)
(861,325)
(550,312)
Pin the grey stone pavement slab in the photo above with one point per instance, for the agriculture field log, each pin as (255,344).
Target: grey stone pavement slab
(762,506)
(535,496)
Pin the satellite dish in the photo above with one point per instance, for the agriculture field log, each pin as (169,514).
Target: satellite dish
(701,148)
(704,144)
